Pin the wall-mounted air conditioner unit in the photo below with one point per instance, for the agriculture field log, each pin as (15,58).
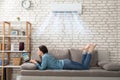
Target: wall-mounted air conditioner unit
(61,8)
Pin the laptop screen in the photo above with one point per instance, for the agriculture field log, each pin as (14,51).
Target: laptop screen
(25,56)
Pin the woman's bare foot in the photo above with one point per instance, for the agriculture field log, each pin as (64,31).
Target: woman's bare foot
(91,48)
(85,49)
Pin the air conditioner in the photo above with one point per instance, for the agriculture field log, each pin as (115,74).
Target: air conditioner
(61,8)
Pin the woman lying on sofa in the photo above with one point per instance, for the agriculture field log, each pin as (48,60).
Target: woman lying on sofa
(50,62)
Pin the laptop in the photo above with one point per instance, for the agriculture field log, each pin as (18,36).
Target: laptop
(25,57)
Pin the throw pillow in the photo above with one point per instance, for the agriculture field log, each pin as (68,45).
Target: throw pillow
(59,54)
(28,66)
(102,63)
(112,67)
(76,55)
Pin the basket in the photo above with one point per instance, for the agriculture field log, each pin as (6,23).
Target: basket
(16,61)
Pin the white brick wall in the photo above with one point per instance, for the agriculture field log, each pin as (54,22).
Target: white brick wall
(100,21)
(99,17)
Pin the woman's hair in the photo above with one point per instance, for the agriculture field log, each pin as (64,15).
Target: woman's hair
(43,48)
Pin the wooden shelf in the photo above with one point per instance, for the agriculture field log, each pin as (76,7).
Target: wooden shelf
(18,22)
(13,51)
(6,38)
(10,66)
(15,36)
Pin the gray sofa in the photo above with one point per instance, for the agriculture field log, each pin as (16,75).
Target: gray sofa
(95,72)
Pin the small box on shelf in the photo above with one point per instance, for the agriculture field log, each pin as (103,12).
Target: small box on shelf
(21,46)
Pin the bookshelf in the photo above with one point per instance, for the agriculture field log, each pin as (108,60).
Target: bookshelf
(7,37)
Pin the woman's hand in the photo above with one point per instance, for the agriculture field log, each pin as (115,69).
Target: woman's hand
(33,61)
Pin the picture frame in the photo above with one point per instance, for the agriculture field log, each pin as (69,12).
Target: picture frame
(14,32)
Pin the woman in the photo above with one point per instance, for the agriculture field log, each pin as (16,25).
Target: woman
(50,62)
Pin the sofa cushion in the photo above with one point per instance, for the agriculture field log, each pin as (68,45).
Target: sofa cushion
(78,73)
(59,54)
(94,59)
(76,55)
(28,66)
(112,66)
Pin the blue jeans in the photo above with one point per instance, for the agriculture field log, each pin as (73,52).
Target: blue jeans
(72,65)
